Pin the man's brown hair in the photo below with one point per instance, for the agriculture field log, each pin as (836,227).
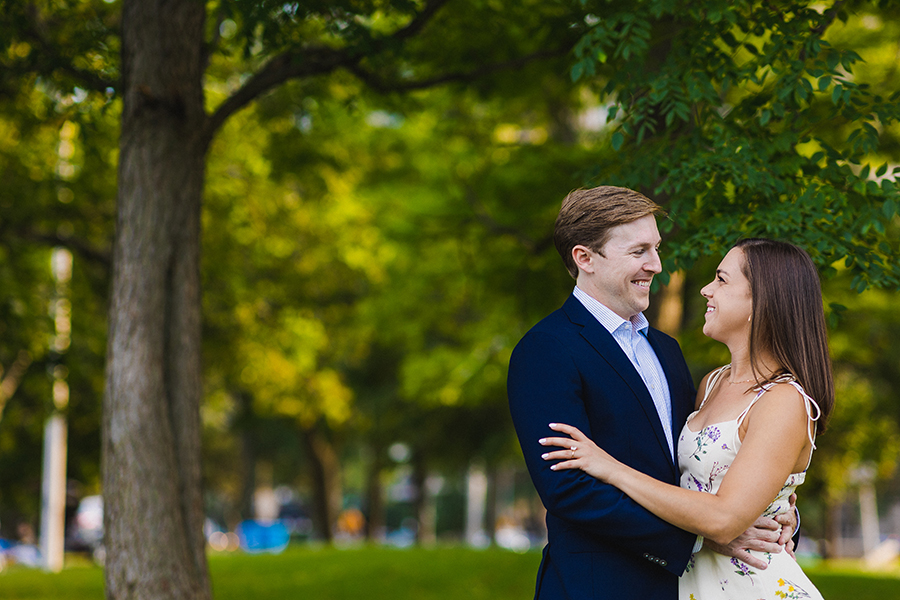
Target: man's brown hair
(587,216)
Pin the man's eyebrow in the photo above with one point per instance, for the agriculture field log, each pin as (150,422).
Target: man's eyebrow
(645,245)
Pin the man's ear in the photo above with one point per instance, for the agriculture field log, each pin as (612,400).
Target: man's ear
(584,258)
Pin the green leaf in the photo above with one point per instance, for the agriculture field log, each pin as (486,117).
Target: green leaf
(836,93)
(872,188)
(576,71)
(617,140)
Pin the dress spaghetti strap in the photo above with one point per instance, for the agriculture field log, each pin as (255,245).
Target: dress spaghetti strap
(808,403)
(711,383)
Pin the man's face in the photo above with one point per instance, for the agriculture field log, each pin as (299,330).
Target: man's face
(620,277)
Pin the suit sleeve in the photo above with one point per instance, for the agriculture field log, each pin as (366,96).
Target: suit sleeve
(545,386)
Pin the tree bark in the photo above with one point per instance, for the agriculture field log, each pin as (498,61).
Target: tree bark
(833,530)
(375,520)
(246,431)
(671,305)
(326,480)
(424,506)
(151,432)
(490,503)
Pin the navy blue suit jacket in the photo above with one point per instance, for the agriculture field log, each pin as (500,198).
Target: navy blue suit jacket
(601,544)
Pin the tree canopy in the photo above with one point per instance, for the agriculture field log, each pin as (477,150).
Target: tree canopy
(756,118)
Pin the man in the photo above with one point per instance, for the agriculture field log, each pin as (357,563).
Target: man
(597,365)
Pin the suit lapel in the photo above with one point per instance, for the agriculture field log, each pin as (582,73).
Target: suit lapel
(610,351)
(681,408)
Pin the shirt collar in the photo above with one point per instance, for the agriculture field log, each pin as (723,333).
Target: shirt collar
(610,320)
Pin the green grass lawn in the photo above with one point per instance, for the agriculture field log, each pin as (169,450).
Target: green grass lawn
(374,573)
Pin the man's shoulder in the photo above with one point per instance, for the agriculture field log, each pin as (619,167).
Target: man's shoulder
(554,330)
(557,323)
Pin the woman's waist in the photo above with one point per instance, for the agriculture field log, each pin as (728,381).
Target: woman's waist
(781,504)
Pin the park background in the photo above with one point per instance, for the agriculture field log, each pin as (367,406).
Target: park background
(379,182)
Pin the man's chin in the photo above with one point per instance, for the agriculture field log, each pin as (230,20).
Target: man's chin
(640,307)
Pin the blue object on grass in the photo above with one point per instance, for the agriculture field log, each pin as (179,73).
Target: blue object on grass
(263,536)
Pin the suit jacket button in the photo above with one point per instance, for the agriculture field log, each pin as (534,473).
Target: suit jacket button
(662,563)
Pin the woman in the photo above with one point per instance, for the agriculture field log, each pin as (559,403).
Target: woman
(749,442)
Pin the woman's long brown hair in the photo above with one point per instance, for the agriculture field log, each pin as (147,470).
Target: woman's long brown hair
(788,317)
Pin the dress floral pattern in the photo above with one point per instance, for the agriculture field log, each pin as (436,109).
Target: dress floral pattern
(704,457)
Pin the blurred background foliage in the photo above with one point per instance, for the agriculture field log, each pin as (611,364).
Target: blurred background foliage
(370,257)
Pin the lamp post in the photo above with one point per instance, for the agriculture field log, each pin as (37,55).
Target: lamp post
(53,492)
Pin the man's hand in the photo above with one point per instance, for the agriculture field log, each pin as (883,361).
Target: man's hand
(788,522)
(764,536)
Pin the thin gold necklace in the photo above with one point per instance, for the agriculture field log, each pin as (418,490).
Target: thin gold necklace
(730,380)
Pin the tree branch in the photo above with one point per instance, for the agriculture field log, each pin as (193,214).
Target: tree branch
(485,218)
(311,61)
(288,65)
(419,21)
(384,86)
(830,15)
(211,46)
(50,59)
(79,247)
(13,377)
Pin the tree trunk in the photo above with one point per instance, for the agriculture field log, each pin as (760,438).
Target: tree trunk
(326,480)
(375,496)
(476,504)
(833,530)
(671,305)
(490,504)
(425,509)
(246,431)
(151,429)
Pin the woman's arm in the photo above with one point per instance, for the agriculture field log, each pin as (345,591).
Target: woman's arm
(771,449)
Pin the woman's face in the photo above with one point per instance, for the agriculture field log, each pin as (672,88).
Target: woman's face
(729,302)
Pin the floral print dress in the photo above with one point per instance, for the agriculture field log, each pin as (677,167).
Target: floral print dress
(704,457)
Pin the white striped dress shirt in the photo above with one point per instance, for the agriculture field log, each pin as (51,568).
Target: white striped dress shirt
(631,336)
